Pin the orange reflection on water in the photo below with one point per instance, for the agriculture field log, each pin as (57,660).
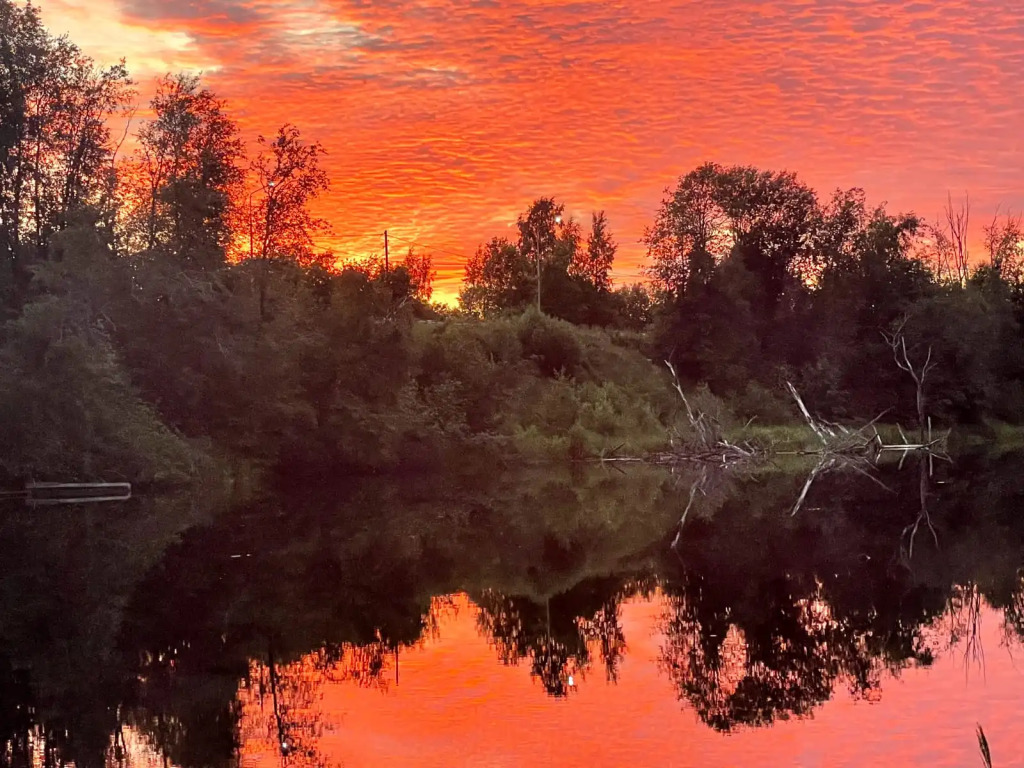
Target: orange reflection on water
(451,702)
(128,748)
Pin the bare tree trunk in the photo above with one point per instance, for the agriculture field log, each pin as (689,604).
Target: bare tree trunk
(897,342)
(19,272)
(920,407)
(952,254)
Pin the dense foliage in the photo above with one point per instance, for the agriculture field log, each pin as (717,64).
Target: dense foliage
(758,282)
(170,308)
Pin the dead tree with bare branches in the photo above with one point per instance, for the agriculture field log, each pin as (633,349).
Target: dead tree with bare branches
(950,251)
(897,341)
(1004,242)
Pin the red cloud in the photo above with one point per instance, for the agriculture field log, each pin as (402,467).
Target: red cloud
(443,119)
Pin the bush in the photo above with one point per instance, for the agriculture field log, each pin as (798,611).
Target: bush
(551,343)
(69,412)
(765,405)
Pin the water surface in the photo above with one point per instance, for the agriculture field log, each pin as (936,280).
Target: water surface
(527,618)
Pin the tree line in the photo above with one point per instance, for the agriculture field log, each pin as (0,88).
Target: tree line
(754,280)
(167,310)
(166,306)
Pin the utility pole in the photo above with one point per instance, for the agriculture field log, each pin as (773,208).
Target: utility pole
(387,268)
(536,244)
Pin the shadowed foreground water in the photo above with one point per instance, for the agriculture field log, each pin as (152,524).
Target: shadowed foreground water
(530,618)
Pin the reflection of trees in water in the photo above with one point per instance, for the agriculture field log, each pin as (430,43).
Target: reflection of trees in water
(20,734)
(959,627)
(768,614)
(28,739)
(558,637)
(741,653)
(287,713)
(281,702)
(273,702)
(376,664)
(521,629)
(66,578)
(783,660)
(734,675)
(605,629)
(1013,625)
(288,695)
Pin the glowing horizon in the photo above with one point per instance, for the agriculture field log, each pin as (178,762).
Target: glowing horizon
(444,120)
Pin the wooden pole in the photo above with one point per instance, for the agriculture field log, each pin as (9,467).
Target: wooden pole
(536,244)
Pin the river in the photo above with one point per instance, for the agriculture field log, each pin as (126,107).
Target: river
(531,617)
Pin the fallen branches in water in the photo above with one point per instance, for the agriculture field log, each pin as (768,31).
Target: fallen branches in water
(699,486)
(858,448)
(708,442)
(865,441)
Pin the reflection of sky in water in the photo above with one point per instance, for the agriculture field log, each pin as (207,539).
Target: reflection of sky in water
(456,705)
(583,638)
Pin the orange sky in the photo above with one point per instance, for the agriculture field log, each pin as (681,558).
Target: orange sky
(455,704)
(444,118)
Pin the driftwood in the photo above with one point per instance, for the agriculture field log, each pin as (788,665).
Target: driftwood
(864,441)
(841,448)
(708,443)
(860,449)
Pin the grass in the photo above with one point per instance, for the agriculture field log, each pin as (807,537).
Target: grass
(986,754)
(797,437)
(993,436)
(785,437)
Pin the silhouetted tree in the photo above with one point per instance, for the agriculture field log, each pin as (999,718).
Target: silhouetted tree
(421,272)
(287,173)
(690,233)
(186,174)
(497,278)
(595,263)
(55,147)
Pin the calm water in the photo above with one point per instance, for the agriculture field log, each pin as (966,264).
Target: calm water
(527,618)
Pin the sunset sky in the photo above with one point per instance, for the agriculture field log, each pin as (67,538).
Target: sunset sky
(445,118)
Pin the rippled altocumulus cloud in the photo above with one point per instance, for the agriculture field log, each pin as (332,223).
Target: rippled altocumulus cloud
(444,118)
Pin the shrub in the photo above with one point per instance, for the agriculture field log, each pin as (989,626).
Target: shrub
(551,343)
(70,413)
(766,405)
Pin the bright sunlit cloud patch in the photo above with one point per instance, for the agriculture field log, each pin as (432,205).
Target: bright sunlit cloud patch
(101,30)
